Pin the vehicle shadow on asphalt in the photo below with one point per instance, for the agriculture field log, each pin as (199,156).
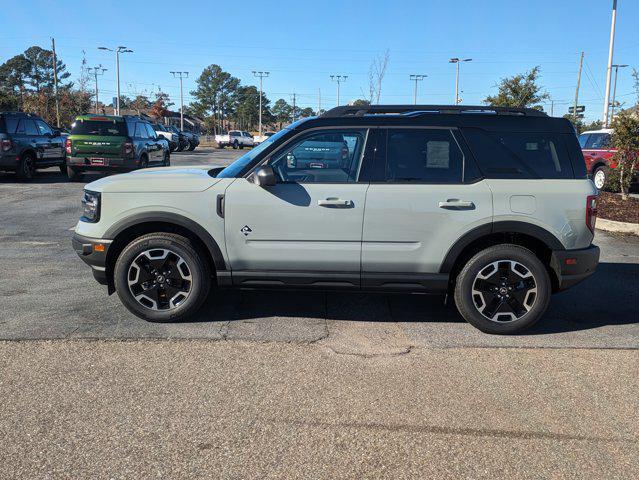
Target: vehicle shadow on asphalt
(47,177)
(609,297)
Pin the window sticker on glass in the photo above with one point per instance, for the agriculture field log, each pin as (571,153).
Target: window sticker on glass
(437,154)
(532,146)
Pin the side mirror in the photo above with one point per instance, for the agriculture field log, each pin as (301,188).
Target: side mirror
(264,176)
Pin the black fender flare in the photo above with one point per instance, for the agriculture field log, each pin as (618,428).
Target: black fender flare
(176,219)
(507,226)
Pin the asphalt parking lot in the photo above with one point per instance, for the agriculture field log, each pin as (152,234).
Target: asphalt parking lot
(301,385)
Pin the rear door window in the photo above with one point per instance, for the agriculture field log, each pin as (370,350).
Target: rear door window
(30,127)
(423,156)
(150,131)
(140,131)
(519,154)
(598,141)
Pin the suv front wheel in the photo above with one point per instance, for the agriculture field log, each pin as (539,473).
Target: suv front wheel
(161,277)
(503,289)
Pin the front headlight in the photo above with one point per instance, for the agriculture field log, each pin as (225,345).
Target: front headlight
(90,206)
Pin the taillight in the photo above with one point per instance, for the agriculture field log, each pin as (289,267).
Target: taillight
(68,146)
(6,145)
(591,212)
(127,148)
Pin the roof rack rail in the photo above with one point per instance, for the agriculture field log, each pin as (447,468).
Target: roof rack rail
(360,111)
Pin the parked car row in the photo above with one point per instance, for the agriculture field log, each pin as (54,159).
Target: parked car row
(178,140)
(96,143)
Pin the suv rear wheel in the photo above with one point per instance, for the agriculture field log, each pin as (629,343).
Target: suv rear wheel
(161,277)
(26,167)
(503,289)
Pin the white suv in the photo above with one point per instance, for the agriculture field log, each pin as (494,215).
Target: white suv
(490,205)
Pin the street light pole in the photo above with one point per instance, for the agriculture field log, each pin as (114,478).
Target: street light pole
(458,61)
(339,79)
(261,76)
(181,75)
(416,78)
(118,51)
(611,49)
(95,71)
(614,92)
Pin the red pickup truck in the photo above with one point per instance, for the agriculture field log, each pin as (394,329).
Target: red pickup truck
(595,145)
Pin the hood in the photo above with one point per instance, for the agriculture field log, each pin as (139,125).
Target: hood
(161,179)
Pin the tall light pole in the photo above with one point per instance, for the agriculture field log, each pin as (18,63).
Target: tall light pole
(611,49)
(181,75)
(117,51)
(614,91)
(95,71)
(416,78)
(458,61)
(339,79)
(261,76)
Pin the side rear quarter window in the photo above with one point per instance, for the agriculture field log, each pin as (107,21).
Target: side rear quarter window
(522,155)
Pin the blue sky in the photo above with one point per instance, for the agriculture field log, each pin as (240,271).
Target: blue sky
(302,43)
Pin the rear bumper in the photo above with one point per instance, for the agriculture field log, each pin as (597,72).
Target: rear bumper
(110,163)
(93,252)
(574,266)
(8,161)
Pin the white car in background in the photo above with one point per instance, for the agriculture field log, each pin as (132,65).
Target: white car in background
(257,139)
(235,138)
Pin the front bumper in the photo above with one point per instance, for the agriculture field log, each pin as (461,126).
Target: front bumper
(574,266)
(93,252)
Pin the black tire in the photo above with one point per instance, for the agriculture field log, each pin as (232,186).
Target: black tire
(26,167)
(241,146)
(187,145)
(144,161)
(179,147)
(600,176)
(178,246)
(532,303)
(74,174)
(192,146)
(166,160)
(235,145)
(220,146)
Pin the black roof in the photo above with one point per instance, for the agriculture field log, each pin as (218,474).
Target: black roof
(486,117)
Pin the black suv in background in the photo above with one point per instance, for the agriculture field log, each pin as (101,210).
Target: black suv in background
(27,142)
(113,143)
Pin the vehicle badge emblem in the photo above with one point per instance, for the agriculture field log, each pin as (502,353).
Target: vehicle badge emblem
(246,230)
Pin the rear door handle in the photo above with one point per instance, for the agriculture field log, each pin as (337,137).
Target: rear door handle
(455,204)
(335,203)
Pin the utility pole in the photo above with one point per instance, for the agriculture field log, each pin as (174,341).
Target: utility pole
(458,61)
(55,83)
(95,71)
(294,108)
(118,51)
(339,79)
(181,75)
(552,108)
(416,78)
(609,69)
(581,63)
(319,101)
(614,92)
(261,76)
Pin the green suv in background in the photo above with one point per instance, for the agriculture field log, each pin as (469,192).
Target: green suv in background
(109,143)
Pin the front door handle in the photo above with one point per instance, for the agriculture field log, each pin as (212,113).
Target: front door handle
(455,204)
(335,203)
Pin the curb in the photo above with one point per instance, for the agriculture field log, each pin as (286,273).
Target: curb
(619,227)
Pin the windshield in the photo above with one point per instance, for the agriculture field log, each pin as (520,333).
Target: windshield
(241,163)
